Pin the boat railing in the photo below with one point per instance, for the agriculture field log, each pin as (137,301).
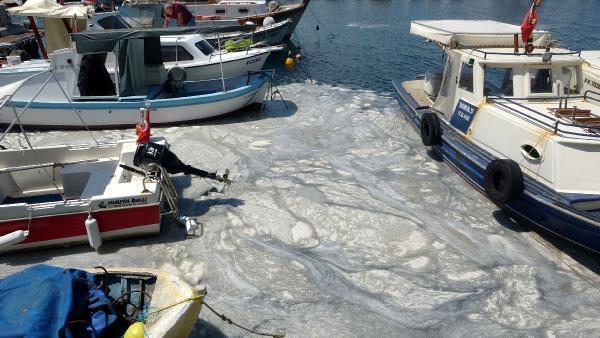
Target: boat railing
(587,97)
(542,54)
(547,121)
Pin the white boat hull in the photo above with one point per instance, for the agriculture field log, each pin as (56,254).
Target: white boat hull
(54,112)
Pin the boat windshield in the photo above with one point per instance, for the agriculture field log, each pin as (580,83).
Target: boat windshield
(205,47)
(498,81)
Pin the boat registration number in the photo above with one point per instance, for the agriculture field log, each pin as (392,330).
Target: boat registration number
(249,62)
(463,116)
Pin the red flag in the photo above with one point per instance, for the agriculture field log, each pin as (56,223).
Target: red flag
(142,129)
(531,20)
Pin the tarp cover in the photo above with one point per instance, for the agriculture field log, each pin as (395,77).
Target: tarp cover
(47,301)
(50,9)
(472,33)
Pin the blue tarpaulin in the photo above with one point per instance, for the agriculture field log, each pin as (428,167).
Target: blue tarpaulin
(47,301)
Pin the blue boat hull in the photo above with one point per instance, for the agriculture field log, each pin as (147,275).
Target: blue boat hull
(538,205)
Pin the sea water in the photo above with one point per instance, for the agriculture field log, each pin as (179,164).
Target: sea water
(339,222)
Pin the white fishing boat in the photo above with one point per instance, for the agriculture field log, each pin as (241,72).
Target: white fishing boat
(191,52)
(67,195)
(78,84)
(64,195)
(514,120)
(202,62)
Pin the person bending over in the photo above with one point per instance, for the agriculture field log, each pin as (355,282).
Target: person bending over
(180,13)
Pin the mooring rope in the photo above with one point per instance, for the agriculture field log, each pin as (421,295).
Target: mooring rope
(231,322)
(200,298)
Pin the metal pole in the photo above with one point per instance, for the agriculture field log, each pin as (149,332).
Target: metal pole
(221,62)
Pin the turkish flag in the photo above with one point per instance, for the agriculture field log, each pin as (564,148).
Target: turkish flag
(142,129)
(531,20)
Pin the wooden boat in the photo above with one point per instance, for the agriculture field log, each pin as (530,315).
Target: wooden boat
(517,125)
(250,10)
(115,302)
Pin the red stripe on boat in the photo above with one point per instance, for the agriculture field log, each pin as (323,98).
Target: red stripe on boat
(64,226)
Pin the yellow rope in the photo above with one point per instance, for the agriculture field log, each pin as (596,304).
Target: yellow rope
(191,299)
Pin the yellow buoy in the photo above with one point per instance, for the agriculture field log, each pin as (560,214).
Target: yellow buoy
(290,63)
(135,330)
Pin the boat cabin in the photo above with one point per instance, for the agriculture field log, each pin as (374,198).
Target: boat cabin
(525,102)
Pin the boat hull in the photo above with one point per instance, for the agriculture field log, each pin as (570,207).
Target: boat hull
(251,63)
(269,36)
(50,114)
(538,205)
(69,229)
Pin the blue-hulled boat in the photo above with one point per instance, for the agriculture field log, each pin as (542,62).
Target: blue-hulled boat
(516,124)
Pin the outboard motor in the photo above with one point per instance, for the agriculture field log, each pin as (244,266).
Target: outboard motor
(150,153)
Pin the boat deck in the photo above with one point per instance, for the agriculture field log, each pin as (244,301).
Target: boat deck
(416,89)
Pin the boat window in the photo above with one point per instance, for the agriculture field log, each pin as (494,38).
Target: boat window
(205,47)
(498,81)
(466,77)
(175,53)
(541,80)
(570,81)
(113,22)
(243,10)
(219,11)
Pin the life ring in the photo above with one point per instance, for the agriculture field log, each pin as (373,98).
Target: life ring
(503,181)
(431,130)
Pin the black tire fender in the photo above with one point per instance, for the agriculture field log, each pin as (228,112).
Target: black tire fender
(503,181)
(431,130)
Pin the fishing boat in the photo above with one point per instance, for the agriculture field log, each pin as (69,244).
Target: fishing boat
(509,113)
(78,84)
(65,195)
(201,61)
(256,11)
(99,302)
(190,52)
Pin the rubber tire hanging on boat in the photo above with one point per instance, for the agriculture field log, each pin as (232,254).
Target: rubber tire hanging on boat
(431,130)
(503,181)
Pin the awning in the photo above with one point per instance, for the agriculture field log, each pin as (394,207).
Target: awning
(104,41)
(473,33)
(50,9)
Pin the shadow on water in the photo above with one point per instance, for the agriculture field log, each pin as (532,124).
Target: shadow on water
(206,329)
(552,243)
(272,109)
